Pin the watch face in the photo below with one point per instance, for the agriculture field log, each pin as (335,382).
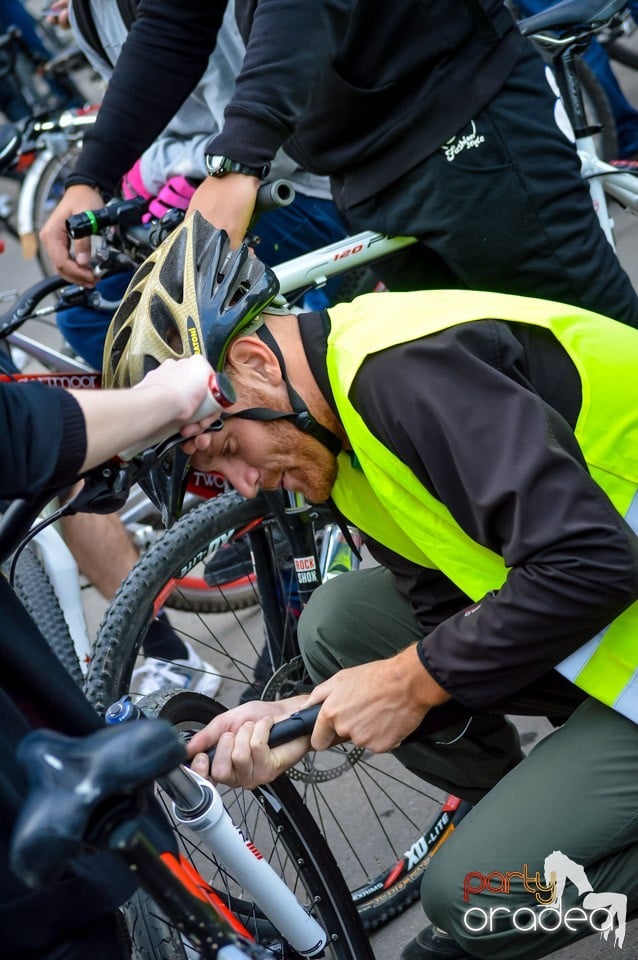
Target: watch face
(215,164)
(220,166)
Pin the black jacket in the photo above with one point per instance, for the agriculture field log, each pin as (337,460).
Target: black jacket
(359,88)
(501,454)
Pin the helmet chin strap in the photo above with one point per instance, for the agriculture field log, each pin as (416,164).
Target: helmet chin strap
(300,416)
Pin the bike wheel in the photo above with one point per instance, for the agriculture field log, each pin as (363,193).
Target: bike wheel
(274,819)
(382,823)
(150,935)
(47,195)
(38,597)
(195,595)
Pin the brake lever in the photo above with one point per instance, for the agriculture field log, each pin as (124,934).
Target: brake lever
(105,490)
(107,487)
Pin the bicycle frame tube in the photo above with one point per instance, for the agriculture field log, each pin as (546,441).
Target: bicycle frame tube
(47,355)
(597,185)
(63,573)
(182,895)
(314,268)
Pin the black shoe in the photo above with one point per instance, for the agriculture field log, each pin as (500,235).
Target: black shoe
(432,943)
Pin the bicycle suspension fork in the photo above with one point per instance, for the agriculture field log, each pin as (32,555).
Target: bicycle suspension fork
(198,806)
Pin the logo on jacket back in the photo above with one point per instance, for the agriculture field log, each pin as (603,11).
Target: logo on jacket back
(455,145)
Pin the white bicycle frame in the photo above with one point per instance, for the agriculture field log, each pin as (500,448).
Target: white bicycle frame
(605,180)
(602,178)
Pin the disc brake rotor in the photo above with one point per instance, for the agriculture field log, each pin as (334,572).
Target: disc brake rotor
(316,767)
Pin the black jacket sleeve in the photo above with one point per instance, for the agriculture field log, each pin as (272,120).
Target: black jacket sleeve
(165,55)
(280,76)
(500,453)
(44,439)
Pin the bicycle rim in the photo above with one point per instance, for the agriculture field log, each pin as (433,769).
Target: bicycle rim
(47,196)
(276,822)
(382,822)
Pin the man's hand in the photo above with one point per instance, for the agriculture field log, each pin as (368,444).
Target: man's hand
(55,239)
(376,705)
(240,737)
(228,203)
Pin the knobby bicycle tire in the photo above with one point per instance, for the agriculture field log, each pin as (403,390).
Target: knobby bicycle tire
(195,595)
(275,820)
(33,587)
(382,822)
(150,935)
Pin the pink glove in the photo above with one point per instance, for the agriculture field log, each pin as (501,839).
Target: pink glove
(133,185)
(176,192)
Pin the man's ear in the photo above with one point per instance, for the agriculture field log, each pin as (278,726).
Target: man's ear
(251,355)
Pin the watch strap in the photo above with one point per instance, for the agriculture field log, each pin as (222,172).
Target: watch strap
(224,165)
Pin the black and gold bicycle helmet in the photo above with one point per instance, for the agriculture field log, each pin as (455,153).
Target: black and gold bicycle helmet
(192,295)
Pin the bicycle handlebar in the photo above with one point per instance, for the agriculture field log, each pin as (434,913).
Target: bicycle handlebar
(121,213)
(124,213)
(28,301)
(298,724)
(56,815)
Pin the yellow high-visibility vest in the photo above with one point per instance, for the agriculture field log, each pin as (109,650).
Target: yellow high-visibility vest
(382,496)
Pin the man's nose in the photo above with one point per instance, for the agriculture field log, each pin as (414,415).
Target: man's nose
(244,479)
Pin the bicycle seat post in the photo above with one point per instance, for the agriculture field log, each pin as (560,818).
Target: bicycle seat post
(569,85)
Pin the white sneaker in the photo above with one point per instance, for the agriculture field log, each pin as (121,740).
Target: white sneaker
(191,674)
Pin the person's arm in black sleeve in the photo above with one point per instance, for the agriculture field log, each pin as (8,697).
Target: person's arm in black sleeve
(508,468)
(163,58)
(44,439)
(289,45)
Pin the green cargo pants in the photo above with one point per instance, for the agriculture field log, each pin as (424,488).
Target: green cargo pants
(576,794)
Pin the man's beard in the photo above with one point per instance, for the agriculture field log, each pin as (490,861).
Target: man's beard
(315,470)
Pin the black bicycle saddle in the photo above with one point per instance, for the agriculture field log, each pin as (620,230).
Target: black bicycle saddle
(569,14)
(70,780)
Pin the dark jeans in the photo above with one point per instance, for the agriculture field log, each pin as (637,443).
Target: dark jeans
(502,206)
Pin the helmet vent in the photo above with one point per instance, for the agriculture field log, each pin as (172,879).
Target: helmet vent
(171,275)
(120,343)
(142,272)
(165,325)
(149,363)
(125,310)
(239,292)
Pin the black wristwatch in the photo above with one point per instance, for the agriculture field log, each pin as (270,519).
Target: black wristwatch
(220,166)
